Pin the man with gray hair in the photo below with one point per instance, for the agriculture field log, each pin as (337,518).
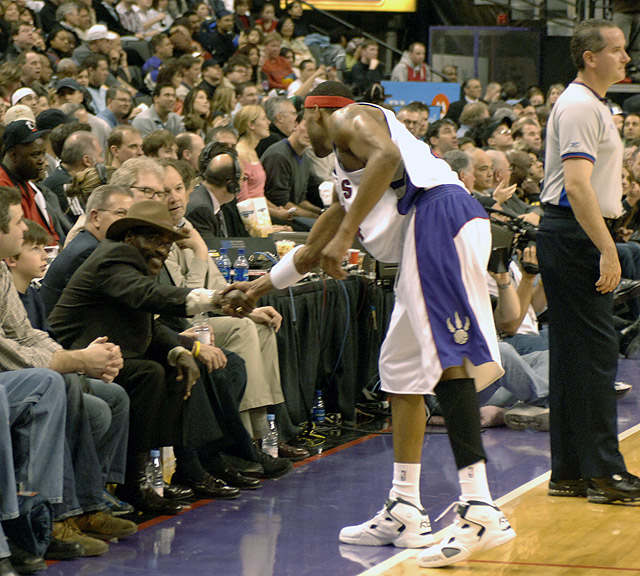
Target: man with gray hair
(283,117)
(81,150)
(105,205)
(67,17)
(462,164)
(143,176)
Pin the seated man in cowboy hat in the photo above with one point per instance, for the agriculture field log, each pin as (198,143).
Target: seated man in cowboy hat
(115,292)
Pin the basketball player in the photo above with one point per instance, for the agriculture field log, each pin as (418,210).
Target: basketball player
(408,206)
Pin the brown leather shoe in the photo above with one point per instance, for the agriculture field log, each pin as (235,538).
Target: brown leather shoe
(292,452)
(67,531)
(103,526)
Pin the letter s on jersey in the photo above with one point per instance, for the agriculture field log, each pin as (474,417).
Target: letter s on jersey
(346,188)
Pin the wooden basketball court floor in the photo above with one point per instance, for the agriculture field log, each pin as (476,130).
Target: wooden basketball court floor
(556,536)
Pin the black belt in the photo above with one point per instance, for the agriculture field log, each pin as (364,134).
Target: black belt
(568,212)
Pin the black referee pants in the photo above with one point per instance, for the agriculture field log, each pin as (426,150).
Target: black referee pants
(583,352)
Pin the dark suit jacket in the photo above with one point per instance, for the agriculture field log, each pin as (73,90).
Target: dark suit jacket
(112,294)
(63,267)
(200,214)
(56,183)
(106,17)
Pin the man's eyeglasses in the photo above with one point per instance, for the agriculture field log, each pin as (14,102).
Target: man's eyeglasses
(151,193)
(119,212)
(158,240)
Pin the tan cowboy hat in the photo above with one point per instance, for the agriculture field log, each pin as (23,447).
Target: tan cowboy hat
(148,213)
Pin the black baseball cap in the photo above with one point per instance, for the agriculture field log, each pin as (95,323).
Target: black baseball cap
(21,132)
(49,119)
(68,83)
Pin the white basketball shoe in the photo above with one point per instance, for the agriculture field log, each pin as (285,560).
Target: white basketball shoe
(399,523)
(478,526)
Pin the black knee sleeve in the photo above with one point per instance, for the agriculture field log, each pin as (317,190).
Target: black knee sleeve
(459,403)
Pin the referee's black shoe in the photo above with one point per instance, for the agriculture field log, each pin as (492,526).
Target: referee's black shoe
(622,487)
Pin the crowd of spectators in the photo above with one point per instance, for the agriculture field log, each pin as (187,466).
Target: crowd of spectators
(122,122)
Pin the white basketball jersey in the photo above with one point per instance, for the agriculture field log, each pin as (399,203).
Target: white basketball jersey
(381,232)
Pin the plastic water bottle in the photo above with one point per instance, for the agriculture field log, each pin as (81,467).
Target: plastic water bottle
(317,412)
(241,266)
(270,439)
(202,328)
(154,473)
(224,264)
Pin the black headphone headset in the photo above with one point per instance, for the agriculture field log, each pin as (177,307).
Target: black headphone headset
(231,182)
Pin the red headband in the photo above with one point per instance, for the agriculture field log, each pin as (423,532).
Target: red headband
(327,102)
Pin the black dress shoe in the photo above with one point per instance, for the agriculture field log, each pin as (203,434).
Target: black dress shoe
(626,290)
(243,466)
(234,478)
(59,550)
(211,487)
(145,499)
(24,563)
(177,492)
(623,487)
(272,467)
(6,569)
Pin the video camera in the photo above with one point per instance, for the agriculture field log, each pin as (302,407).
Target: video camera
(510,235)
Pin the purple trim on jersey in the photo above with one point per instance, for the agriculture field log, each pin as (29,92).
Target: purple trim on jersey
(603,100)
(582,155)
(440,215)
(410,196)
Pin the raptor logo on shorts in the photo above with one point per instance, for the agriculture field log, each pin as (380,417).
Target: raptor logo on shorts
(459,329)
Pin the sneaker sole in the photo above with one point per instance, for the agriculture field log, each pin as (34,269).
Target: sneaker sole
(567,491)
(598,497)
(403,541)
(518,422)
(502,539)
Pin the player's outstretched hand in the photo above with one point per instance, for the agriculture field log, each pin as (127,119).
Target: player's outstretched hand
(253,290)
(333,255)
(235,302)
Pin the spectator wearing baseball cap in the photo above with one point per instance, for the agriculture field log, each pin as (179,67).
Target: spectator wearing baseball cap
(47,120)
(24,160)
(18,112)
(68,90)
(99,39)
(211,76)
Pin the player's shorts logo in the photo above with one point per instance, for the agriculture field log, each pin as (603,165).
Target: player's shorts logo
(459,329)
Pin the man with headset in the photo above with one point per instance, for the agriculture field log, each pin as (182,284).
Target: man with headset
(212,204)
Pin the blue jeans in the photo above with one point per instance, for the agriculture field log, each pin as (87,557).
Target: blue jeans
(526,379)
(527,343)
(32,402)
(83,483)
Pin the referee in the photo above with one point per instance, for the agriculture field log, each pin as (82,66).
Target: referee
(580,269)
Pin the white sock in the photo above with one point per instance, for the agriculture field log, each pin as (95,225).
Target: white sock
(473,483)
(406,482)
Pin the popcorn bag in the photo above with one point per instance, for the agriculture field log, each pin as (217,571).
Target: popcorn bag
(255,217)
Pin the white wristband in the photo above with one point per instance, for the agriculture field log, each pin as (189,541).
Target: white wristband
(284,273)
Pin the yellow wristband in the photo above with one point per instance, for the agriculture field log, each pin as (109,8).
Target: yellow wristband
(196,348)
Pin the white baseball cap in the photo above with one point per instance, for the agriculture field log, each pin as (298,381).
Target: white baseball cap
(20,94)
(100,32)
